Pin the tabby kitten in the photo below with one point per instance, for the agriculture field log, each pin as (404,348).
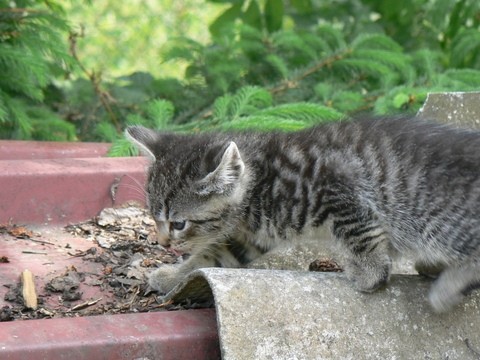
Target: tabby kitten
(389,185)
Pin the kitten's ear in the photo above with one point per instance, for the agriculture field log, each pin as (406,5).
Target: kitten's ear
(227,174)
(144,139)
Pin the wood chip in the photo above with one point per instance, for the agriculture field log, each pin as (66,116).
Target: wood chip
(46,312)
(28,290)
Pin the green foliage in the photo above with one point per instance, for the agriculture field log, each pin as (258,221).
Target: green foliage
(269,65)
(117,38)
(263,15)
(251,108)
(245,102)
(32,53)
(157,114)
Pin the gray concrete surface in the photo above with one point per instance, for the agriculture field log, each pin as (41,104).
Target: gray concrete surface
(272,314)
(460,108)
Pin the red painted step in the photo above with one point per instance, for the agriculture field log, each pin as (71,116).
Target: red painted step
(20,150)
(176,335)
(58,183)
(61,191)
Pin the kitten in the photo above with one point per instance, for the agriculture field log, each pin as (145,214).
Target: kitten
(389,185)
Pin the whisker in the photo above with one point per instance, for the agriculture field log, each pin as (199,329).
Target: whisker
(133,187)
(136,191)
(140,185)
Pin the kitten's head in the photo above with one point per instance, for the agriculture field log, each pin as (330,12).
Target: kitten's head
(195,186)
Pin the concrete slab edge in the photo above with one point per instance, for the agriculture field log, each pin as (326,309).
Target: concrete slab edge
(271,314)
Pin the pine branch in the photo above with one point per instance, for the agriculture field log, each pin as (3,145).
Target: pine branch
(21,11)
(95,78)
(288,84)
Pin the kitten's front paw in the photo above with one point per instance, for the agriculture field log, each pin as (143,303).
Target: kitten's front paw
(164,279)
(367,278)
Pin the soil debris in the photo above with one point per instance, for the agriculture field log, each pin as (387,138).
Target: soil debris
(6,314)
(14,293)
(127,249)
(67,284)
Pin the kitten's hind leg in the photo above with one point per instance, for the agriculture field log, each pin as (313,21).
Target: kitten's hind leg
(368,263)
(453,284)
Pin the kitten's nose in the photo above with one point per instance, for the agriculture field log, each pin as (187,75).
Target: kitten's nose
(163,239)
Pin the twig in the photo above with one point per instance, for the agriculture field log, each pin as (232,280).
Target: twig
(282,86)
(21,10)
(34,252)
(90,251)
(135,294)
(293,83)
(85,304)
(96,79)
(169,302)
(42,242)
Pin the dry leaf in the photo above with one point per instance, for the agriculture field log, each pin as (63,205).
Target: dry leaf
(325,265)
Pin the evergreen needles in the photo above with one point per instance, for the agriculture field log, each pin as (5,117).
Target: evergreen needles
(32,52)
(268,66)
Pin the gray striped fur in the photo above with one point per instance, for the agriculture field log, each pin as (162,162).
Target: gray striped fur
(385,185)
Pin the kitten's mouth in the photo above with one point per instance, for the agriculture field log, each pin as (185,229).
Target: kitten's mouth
(179,254)
(174,251)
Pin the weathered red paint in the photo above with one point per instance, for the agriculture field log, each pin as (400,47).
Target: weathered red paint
(19,150)
(55,183)
(61,191)
(172,335)
(51,260)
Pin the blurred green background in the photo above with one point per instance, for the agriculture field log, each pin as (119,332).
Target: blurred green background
(83,70)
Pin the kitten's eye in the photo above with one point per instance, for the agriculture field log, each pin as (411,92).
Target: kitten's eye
(178,225)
